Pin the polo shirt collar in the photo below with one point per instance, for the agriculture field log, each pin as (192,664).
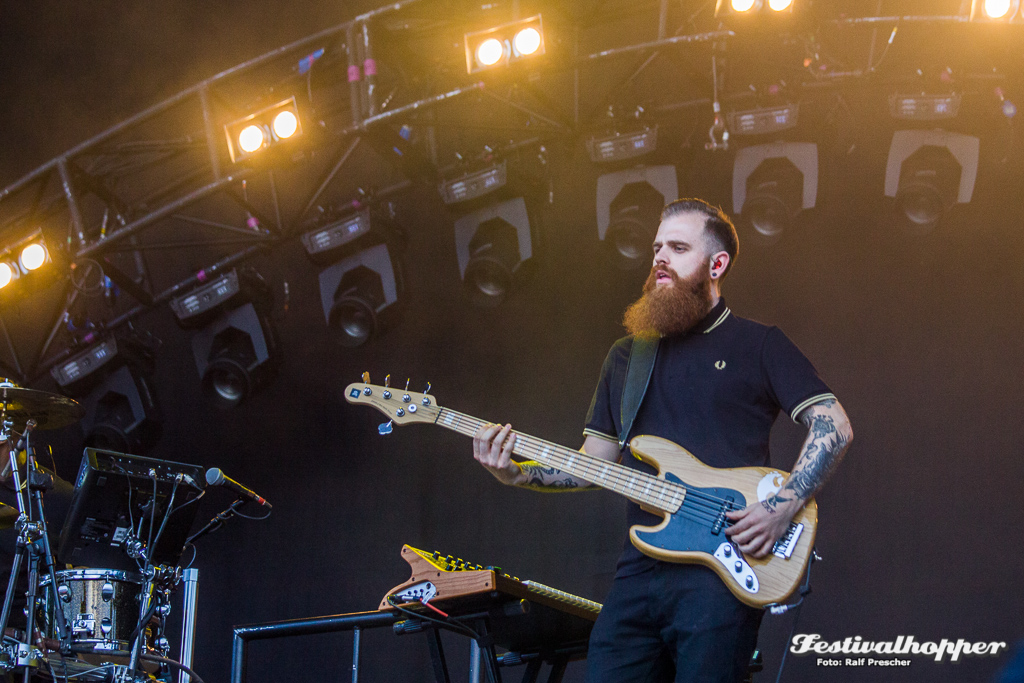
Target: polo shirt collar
(713,319)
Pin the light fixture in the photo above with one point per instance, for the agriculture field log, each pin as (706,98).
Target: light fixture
(779,5)
(359,294)
(8,273)
(753,8)
(504,44)
(194,309)
(262,130)
(33,256)
(773,183)
(492,244)
(473,184)
(323,243)
(24,259)
(928,172)
(742,5)
(623,145)
(629,205)
(764,120)
(76,369)
(996,11)
(924,107)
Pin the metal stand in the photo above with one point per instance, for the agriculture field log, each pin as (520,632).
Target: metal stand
(191,579)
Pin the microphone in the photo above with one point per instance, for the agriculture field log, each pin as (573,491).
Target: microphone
(214,477)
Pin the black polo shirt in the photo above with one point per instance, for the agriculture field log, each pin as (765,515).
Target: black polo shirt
(715,391)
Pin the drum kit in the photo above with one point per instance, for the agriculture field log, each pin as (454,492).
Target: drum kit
(83,621)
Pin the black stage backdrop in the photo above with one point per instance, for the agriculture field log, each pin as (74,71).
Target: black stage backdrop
(918,336)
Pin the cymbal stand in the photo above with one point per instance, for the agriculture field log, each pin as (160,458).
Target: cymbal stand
(30,533)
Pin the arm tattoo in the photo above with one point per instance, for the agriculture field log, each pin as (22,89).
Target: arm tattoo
(546,478)
(825,447)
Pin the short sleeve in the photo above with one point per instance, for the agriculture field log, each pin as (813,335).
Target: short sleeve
(792,380)
(602,418)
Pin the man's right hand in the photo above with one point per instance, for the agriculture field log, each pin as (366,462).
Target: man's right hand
(492,448)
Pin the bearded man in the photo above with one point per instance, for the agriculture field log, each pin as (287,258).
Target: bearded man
(717,384)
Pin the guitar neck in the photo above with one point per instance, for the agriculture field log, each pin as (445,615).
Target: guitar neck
(637,486)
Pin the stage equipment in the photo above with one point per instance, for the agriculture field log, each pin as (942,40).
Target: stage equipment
(623,145)
(473,184)
(924,107)
(22,258)
(629,205)
(996,11)
(692,497)
(928,172)
(492,244)
(731,8)
(324,243)
(763,121)
(265,128)
(505,44)
(113,377)
(771,184)
(236,348)
(359,294)
(47,411)
(215,477)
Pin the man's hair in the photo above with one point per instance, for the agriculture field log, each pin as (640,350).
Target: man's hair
(719,231)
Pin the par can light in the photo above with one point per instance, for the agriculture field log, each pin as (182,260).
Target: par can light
(996,9)
(526,41)
(285,124)
(490,52)
(251,139)
(6,274)
(742,5)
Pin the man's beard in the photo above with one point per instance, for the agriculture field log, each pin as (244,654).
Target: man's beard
(673,309)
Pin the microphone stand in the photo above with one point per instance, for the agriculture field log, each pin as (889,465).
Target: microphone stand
(218,521)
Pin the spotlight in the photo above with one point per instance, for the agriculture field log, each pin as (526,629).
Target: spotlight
(113,376)
(198,306)
(771,184)
(235,355)
(322,244)
(928,172)
(504,44)
(23,261)
(623,146)
(995,11)
(8,273)
(358,295)
(924,107)
(33,256)
(742,5)
(743,8)
(763,121)
(629,205)
(492,245)
(262,130)
(780,5)
(473,184)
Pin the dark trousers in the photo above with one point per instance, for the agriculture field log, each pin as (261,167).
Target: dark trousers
(672,623)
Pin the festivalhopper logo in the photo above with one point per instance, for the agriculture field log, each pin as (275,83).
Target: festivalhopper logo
(812,643)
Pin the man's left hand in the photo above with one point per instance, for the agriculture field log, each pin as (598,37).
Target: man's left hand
(757,527)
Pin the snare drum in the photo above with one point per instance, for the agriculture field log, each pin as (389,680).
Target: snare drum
(101,606)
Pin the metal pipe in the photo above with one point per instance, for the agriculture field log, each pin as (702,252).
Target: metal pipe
(526,110)
(671,40)
(69,194)
(354,75)
(413,106)
(211,137)
(330,176)
(191,579)
(946,19)
(369,73)
(356,632)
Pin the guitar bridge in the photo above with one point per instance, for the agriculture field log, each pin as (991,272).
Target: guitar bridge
(727,506)
(785,546)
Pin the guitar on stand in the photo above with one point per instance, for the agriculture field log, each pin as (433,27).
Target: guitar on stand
(692,497)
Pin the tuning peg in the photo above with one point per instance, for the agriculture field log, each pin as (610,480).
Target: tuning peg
(386,428)
(427,390)
(366,378)
(387,380)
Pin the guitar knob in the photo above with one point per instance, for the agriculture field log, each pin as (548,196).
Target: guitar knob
(739,566)
(426,401)
(750,582)
(727,551)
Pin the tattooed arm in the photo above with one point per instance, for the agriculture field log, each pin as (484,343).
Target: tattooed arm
(756,528)
(492,448)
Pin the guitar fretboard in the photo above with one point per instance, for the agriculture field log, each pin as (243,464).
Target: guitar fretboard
(637,486)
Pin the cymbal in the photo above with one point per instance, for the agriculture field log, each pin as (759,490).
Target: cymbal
(50,411)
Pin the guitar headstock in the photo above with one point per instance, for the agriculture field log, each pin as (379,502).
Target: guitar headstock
(400,405)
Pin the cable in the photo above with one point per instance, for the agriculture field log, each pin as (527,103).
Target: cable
(782,609)
(451,622)
(163,524)
(173,664)
(251,517)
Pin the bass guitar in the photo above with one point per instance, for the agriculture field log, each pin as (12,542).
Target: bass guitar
(692,497)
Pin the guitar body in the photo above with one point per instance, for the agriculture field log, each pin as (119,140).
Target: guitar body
(692,534)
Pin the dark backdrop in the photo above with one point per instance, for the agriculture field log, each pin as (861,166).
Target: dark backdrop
(918,336)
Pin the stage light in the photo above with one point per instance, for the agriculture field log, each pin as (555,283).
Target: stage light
(504,44)
(928,172)
(33,256)
(322,244)
(742,5)
(7,274)
(744,9)
(77,368)
(490,52)
(773,183)
(473,184)
(491,245)
(623,146)
(263,130)
(780,5)
(359,294)
(764,120)
(629,205)
(995,11)
(526,41)
(190,308)
(925,107)
(251,139)
(285,124)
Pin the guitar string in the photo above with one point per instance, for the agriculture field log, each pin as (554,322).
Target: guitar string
(527,447)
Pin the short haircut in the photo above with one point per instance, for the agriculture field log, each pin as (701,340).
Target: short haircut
(719,231)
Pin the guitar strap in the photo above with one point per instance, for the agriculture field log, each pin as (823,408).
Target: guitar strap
(639,369)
